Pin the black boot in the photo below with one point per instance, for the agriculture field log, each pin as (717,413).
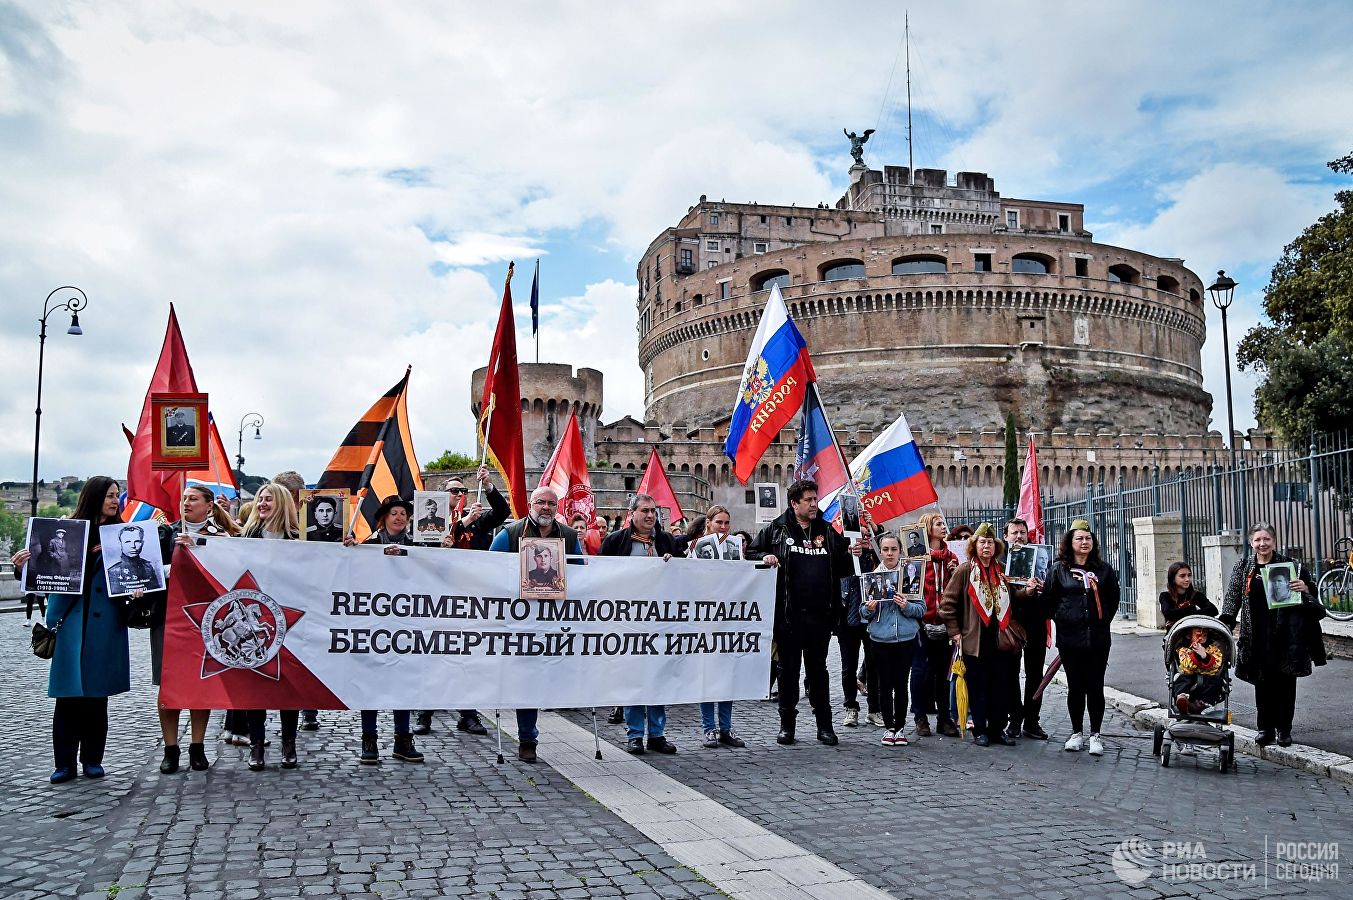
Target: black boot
(1284,739)
(289,752)
(617,716)
(370,756)
(1265,737)
(786,735)
(197,758)
(405,750)
(256,757)
(826,734)
(424,724)
(471,725)
(170,764)
(309,720)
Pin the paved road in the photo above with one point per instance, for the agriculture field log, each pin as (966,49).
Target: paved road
(938,818)
(1324,703)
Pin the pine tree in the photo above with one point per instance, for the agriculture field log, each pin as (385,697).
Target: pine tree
(1010,496)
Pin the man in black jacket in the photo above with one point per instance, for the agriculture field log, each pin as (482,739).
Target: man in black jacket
(812,558)
(472,529)
(643,537)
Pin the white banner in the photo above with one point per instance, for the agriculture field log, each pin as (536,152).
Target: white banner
(281,624)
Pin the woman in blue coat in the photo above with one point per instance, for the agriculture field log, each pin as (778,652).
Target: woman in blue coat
(91,662)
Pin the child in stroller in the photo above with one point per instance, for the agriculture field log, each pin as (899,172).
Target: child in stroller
(1198,682)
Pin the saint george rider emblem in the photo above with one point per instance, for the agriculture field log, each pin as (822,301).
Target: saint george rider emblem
(243,629)
(756,383)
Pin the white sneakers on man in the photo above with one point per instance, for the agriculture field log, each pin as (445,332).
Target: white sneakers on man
(876,719)
(1076,743)
(1096,745)
(851,718)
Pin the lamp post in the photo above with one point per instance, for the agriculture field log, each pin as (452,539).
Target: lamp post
(250,420)
(1223,292)
(75,301)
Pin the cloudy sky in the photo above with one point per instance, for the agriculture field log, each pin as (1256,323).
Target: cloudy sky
(329,192)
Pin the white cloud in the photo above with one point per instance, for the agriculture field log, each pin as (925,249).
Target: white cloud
(276,171)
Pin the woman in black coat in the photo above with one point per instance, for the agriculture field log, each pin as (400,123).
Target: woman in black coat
(1274,647)
(1081,596)
(1180,598)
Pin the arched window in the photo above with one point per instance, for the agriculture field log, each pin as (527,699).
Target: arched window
(1125,274)
(1194,296)
(1031,264)
(764,281)
(841,269)
(1166,283)
(920,265)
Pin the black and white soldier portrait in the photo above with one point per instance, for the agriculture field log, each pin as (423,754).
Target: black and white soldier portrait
(57,556)
(131,558)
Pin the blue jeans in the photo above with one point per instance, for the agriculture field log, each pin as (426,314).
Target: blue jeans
(635,717)
(725,715)
(527,733)
(919,699)
(401,721)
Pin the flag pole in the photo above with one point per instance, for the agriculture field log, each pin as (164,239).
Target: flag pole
(535,313)
(493,401)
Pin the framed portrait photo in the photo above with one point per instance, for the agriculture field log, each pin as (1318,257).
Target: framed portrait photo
(1278,578)
(768,502)
(710,547)
(1019,563)
(542,568)
(131,557)
(56,549)
(431,516)
(913,540)
(324,514)
(911,580)
(178,430)
(879,586)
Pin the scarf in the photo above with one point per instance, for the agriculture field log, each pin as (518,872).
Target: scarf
(638,538)
(988,592)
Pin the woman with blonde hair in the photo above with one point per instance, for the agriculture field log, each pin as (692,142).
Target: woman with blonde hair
(930,665)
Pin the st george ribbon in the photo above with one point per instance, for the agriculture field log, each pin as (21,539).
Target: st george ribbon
(298,625)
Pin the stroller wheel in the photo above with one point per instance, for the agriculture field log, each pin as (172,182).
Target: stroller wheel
(1157,739)
(1165,756)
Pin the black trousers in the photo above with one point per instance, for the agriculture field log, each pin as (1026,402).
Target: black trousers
(79,727)
(1024,708)
(987,690)
(935,685)
(1085,686)
(851,639)
(893,662)
(258,718)
(237,721)
(1275,701)
(806,653)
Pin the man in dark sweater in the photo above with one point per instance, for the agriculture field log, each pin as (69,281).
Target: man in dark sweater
(812,558)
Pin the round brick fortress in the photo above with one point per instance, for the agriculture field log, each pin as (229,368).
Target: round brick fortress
(1107,338)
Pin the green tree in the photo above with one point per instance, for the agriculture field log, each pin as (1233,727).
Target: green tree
(1010,493)
(12,528)
(451,461)
(1304,353)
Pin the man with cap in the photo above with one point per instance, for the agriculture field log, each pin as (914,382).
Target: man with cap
(539,522)
(132,572)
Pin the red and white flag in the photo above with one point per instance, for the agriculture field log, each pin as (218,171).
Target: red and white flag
(566,474)
(173,373)
(655,484)
(1030,497)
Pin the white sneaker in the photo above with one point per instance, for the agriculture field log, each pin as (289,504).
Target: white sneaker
(888,737)
(876,719)
(851,718)
(1096,746)
(1076,743)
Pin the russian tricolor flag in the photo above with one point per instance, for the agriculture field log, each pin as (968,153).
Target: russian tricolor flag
(819,456)
(773,387)
(891,477)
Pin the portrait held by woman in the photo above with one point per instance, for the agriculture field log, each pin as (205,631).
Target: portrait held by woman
(1274,647)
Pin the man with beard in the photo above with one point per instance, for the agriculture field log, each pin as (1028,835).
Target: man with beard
(539,522)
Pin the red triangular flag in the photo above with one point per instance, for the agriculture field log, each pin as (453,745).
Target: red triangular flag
(173,372)
(566,474)
(655,484)
(1030,498)
(500,429)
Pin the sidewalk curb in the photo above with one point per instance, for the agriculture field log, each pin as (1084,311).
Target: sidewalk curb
(1148,714)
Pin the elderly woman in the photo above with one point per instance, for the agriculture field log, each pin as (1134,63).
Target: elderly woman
(976,610)
(91,661)
(1081,596)
(1274,647)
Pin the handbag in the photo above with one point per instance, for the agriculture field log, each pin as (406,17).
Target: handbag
(936,632)
(1012,638)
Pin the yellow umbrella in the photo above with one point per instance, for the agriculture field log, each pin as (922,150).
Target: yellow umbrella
(960,687)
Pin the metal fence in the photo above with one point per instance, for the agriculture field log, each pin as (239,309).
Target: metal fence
(1306,494)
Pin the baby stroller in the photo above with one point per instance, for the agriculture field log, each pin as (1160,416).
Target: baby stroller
(1201,720)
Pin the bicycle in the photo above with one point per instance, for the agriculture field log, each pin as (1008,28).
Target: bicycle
(1335,589)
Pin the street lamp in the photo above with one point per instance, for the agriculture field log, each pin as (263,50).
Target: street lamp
(1223,292)
(250,420)
(74,302)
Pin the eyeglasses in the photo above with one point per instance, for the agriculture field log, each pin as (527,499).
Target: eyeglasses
(459,491)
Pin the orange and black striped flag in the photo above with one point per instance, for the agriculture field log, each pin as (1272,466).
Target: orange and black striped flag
(376,459)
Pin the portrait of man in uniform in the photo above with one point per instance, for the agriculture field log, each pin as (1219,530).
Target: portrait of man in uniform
(130,561)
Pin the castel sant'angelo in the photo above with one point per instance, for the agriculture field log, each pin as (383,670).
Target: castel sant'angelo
(919,294)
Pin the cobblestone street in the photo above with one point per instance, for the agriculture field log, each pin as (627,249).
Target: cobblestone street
(933,819)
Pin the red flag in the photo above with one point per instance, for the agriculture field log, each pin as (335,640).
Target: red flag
(161,489)
(655,484)
(1030,498)
(566,474)
(500,430)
